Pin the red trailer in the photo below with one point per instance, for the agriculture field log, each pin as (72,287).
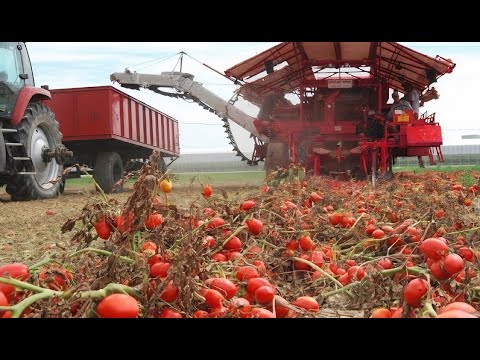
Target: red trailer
(109,130)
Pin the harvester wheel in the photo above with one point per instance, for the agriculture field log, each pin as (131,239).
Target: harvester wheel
(277,156)
(108,170)
(38,131)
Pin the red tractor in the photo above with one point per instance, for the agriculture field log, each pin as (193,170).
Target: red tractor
(31,150)
(323,105)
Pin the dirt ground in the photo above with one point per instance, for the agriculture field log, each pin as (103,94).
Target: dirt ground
(30,230)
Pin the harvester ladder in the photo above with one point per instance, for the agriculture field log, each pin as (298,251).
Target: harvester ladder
(17,152)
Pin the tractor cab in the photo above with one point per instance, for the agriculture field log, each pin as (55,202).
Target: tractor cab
(15,73)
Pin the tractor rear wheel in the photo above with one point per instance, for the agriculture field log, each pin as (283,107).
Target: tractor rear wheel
(38,131)
(277,156)
(108,170)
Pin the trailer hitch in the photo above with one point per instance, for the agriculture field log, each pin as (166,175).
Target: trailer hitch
(61,154)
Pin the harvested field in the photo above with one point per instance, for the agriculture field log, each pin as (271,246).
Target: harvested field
(317,247)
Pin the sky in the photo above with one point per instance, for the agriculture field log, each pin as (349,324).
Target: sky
(79,64)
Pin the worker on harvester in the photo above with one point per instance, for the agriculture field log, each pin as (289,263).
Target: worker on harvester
(398,104)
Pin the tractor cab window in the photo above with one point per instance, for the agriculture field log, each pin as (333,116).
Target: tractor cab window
(10,64)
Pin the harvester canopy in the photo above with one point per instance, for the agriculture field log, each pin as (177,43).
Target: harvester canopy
(285,67)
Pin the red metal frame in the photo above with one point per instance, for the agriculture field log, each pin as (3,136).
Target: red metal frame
(24,97)
(410,137)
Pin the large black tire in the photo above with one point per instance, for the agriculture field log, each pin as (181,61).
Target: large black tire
(108,170)
(277,156)
(38,129)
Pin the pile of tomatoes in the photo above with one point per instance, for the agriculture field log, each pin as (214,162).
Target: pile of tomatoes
(280,251)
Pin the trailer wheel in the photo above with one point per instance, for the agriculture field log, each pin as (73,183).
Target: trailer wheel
(162,166)
(38,131)
(277,156)
(108,170)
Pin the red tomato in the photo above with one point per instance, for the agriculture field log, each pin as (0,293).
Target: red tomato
(370,229)
(433,248)
(102,228)
(458,306)
(160,269)
(149,247)
(264,294)
(170,314)
(234,244)
(56,278)
(247,205)
(153,221)
(218,312)
(225,286)
(292,245)
(335,218)
(378,234)
(215,223)
(244,307)
(255,283)
(209,241)
(170,293)
(388,229)
(298,265)
(154,259)
(385,263)
(316,258)
(307,302)
(262,313)
(414,291)
(7,290)
(214,298)
(207,191)
(350,262)
(306,243)
(466,253)
(219,257)
(4,302)
(124,224)
(381,313)
(255,226)
(461,275)
(234,255)
(260,265)
(459,314)
(453,263)
(315,197)
(437,269)
(333,268)
(357,272)
(200,314)
(344,279)
(16,271)
(118,306)
(280,310)
(246,273)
